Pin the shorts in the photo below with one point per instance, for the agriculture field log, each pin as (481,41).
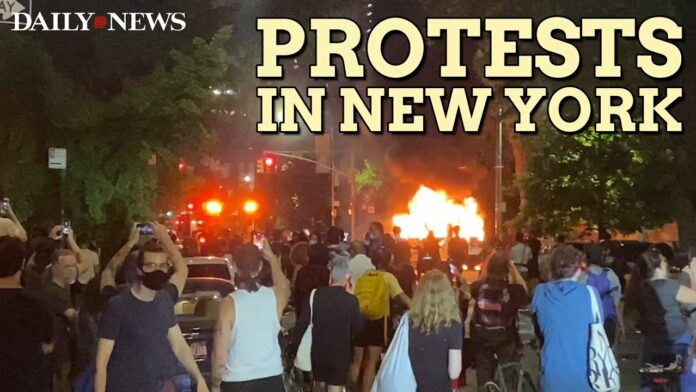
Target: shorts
(270,384)
(331,372)
(374,333)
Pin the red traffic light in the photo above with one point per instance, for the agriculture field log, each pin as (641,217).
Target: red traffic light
(269,161)
(182,166)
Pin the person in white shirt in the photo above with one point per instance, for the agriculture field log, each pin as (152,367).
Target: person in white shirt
(520,253)
(359,263)
(91,260)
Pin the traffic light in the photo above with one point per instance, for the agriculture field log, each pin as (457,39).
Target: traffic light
(213,207)
(270,164)
(251,207)
(182,166)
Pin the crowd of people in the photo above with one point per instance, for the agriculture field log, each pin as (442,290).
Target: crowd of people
(68,324)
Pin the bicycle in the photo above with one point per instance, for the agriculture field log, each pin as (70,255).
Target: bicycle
(522,379)
(665,378)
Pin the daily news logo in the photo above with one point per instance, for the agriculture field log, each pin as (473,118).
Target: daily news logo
(87,21)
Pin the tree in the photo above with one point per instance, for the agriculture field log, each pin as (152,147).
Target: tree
(109,141)
(611,181)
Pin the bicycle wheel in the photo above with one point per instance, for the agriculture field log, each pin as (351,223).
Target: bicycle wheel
(490,387)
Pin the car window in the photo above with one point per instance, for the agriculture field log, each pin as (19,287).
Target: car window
(219,271)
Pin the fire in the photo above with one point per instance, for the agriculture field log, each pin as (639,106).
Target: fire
(431,210)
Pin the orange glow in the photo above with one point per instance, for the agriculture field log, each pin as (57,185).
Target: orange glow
(431,210)
(269,161)
(201,240)
(251,206)
(213,207)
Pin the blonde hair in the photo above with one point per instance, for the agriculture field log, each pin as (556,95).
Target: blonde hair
(435,303)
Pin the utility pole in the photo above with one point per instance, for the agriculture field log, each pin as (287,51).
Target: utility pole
(351,173)
(499,178)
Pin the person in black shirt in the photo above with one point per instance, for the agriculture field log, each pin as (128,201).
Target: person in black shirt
(313,275)
(25,330)
(336,320)
(457,248)
(138,331)
(498,296)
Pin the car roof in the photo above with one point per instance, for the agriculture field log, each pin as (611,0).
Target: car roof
(206,260)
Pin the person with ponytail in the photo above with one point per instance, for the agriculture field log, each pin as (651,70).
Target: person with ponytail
(657,299)
(246,355)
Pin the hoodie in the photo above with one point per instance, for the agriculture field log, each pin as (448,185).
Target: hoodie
(564,315)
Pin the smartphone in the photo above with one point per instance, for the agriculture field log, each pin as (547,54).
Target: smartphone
(453,269)
(5,208)
(146,229)
(66,227)
(258,240)
(345,237)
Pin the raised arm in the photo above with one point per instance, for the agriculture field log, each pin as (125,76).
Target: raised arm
(20,232)
(180,267)
(81,266)
(221,343)
(108,276)
(281,285)
(686,295)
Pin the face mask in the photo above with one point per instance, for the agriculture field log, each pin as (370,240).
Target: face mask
(70,275)
(155,280)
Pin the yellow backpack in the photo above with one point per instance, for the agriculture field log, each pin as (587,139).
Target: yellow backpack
(373,296)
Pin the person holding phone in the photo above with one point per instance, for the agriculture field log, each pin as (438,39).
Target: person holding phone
(9,224)
(138,329)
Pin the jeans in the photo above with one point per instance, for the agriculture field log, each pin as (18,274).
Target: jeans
(488,356)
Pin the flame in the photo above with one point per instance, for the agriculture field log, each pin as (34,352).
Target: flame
(431,210)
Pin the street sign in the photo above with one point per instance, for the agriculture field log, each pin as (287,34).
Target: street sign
(57,158)
(8,8)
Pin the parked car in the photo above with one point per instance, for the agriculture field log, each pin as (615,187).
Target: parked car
(197,314)
(209,267)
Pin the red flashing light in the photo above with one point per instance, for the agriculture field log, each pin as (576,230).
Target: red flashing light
(201,240)
(190,206)
(213,207)
(269,161)
(182,166)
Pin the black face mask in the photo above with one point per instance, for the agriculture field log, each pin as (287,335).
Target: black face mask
(155,280)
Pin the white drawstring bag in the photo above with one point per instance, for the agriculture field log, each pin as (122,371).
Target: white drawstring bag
(603,371)
(303,360)
(396,373)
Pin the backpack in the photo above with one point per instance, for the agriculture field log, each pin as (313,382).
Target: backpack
(603,285)
(490,318)
(372,294)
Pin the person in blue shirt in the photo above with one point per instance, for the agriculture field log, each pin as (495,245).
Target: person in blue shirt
(563,314)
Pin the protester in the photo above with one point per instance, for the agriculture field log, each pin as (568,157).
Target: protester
(375,236)
(247,354)
(396,230)
(11,226)
(336,319)
(498,296)
(108,285)
(334,240)
(435,338)
(312,276)
(656,300)
(299,255)
(457,247)
(35,275)
(138,330)
(359,262)
(90,259)
(563,314)
(57,298)
(431,248)
(521,254)
(401,268)
(609,288)
(26,333)
(374,289)
(534,244)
